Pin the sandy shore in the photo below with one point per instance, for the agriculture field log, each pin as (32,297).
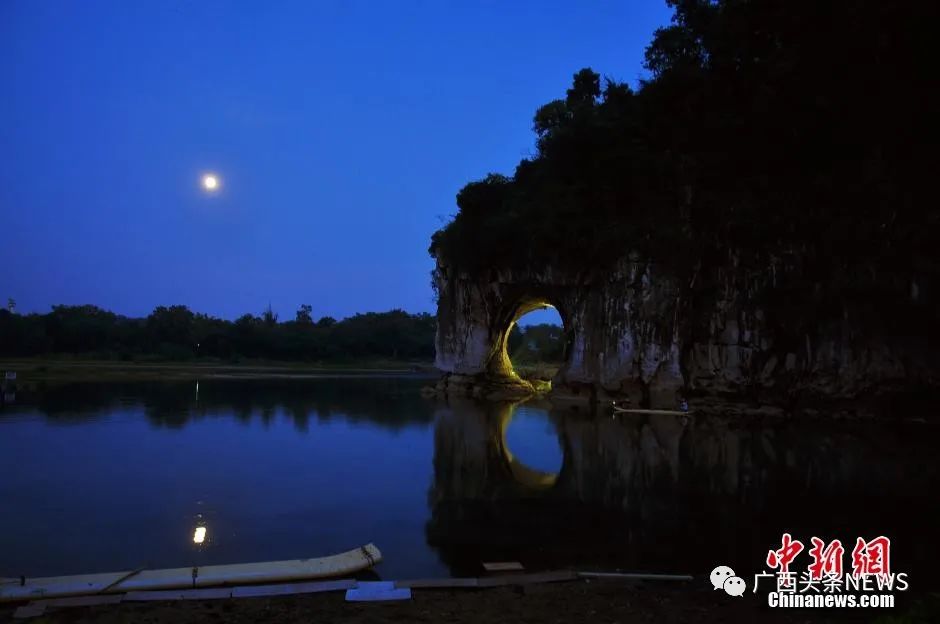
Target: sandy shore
(601,601)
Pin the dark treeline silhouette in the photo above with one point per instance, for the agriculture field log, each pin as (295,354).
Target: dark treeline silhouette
(177,333)
(767,129)
(536,343)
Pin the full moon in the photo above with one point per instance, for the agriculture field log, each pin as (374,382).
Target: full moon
(210,182)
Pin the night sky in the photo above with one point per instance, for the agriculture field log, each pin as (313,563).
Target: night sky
(341,132)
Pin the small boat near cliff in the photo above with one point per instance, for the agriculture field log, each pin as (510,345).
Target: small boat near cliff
(625,408)
(340,564)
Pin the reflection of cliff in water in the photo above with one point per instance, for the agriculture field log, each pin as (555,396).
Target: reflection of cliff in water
(392,402)
(677,493)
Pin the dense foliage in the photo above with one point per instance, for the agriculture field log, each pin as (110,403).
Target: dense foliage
(769,127)
(542,343)
(176,333)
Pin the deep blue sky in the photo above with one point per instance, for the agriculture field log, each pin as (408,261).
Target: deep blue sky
(341,130)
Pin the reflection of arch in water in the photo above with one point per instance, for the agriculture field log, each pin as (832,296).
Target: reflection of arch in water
(527,476)
(642,490)
(472,458)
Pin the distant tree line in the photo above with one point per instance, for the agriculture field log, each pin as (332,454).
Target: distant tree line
(542,343)
(177,333)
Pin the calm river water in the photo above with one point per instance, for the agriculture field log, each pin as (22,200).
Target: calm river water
(111,476)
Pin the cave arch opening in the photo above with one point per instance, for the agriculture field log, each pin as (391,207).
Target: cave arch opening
(533,345)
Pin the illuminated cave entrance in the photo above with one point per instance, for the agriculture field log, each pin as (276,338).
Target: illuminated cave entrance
(533,346)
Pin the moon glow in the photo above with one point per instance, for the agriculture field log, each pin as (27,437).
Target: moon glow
(210,182)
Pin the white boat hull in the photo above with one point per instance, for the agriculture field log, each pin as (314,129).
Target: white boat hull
(188,578)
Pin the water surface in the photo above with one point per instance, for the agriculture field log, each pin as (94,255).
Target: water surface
(110,476)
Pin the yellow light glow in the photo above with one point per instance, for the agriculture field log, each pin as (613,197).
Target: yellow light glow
(200,535)
(210,182)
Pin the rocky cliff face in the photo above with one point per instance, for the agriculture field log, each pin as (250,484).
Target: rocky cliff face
(726,333)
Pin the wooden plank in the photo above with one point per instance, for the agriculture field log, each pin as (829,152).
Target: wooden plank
(252,591)
(216,593)
(287,589)
(635,576)
(526,579)
(503,566)
(441,583)
(80,601)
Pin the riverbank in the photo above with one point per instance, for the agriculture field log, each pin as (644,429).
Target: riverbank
(580,601)
(40,370)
